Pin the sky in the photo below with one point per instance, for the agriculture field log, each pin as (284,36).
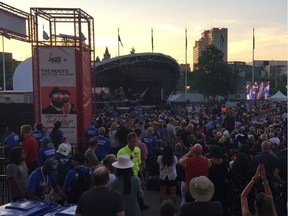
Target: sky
(169,18)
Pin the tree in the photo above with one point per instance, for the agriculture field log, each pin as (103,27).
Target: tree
(132,51)
(213,76)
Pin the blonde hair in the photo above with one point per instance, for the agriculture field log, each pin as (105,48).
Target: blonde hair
(26,129)
(114,126)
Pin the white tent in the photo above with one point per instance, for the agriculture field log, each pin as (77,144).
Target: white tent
(279,96)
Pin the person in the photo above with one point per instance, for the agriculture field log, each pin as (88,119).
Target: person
(42,180)
(132,151)
(167,169)
(270,162)
(17,174)
(171,133)
(264,204)
(100,200)
(112,136)
(128,185)
(92,160)
(56,105)
(30,146)
(195,166)
(149,140)
(11,140)
(202,190)
(90,132)
(167,208)
(64,162)
(68,107)
(57,135)
(122,132)
(46,151)
(104,144)
(217,173)
(78,180)
(107,162)
(39,133)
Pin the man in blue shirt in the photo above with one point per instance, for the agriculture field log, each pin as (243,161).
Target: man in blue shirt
(42,180)
(104,144)
(46,151)
(11,140)
(150,140)
(90,132)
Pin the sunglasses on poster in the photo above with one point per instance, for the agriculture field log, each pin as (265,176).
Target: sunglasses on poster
(56,95)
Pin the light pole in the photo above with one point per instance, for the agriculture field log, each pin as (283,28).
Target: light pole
(3,63)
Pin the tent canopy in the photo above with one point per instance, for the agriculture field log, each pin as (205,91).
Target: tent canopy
(279,96)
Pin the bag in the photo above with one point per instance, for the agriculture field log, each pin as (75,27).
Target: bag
(80,185)
(62,170)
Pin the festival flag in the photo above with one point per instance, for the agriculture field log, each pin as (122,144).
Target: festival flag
(186,39)
(221,40)
(152,40)
(45,35)
(119,40)
(253,40)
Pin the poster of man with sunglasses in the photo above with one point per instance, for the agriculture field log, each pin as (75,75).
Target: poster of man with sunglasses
(60,102)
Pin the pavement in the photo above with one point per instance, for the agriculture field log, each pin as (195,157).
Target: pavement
(152,199)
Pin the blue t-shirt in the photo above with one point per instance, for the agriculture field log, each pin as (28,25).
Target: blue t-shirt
(90,133)
(38,136)
(38,184)
(150,142)
(71,176)
(11,140)
(45,153)
(103,146)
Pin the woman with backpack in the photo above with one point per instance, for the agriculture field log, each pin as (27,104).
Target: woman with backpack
(167,178)
(128,185)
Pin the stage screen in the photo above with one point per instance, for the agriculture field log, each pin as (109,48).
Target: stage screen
(257,90)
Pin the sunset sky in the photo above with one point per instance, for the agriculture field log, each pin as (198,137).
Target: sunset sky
(169,18)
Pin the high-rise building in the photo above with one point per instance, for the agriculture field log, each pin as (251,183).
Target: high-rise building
(215,36)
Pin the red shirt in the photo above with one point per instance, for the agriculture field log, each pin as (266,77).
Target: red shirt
(196,166)
(30,147)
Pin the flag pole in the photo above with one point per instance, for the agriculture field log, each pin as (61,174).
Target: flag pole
(253,63)
(186,63)
(118,43)
(152,42)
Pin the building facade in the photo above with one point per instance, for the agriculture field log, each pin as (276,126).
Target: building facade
(215,36)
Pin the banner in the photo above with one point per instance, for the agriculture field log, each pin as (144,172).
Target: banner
(58,89)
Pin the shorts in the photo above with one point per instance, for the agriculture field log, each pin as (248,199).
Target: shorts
(167,182)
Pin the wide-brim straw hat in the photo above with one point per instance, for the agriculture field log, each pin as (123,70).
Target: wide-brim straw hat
(201,189)
(123,162)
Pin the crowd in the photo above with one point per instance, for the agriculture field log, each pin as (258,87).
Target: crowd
(222,160)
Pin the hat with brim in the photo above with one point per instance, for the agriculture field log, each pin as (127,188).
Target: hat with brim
(275,140)
(201,189)
(53,91)
(64,149)
(51,165)
(123,162)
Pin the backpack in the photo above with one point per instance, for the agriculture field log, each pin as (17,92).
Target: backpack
(62,170)
(80,185)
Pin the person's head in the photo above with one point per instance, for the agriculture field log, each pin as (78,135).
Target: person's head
(108,160)
(79,159)
(9,129)
(264,205)
(92,123)
(216,152)
(201,189)
(50,166)
(16,155)
(168,155)
(197,150)
(64,149)
(114,126)
(38,127)
(93,142)
(138,131)
(57,124)
(25,130)
(46,141)
(132,140)
(266,146)
(167,208)
(101,176)
(150,131)
(123,165)
(102,131)
(66,96)
(56,96)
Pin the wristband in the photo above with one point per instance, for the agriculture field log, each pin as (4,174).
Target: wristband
(254,179)
(265,182)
